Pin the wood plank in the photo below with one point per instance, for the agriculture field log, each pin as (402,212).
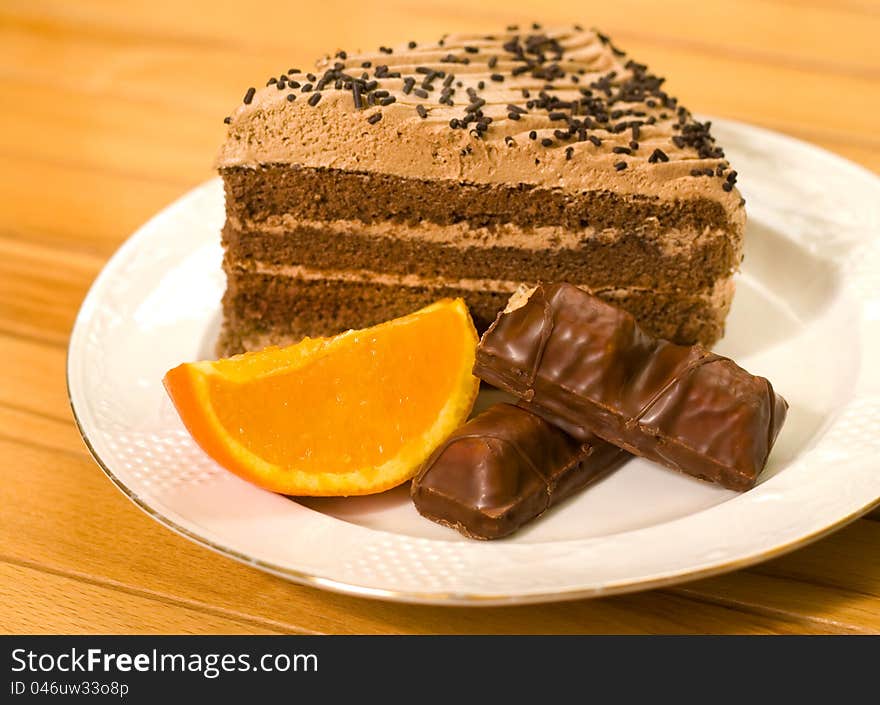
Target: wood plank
(41,289)
(37,602)
(126,136)
(863,7)
(55,525)
(92,210)
(838,610)
(41,431)
(769,30)
(110,59)
(853,565)
(203,78)
(32,377)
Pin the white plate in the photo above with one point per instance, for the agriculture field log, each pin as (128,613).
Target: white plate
(806,315)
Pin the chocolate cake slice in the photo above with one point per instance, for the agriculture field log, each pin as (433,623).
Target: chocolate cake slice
(385,180)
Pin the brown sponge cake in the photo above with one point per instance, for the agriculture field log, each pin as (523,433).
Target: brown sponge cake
(383,181)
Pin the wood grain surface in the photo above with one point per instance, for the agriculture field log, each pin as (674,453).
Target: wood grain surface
(113,109)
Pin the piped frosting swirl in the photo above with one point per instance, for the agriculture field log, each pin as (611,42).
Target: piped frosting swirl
(557,108)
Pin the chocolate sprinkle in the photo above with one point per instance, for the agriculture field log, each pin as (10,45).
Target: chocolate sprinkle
(420,109)
(569,152)
(533,135)
(291,97)
(313,101)
(249,96)
(374,118)
(620,166)
(658,155)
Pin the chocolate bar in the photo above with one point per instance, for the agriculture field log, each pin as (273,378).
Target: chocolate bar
(587,367)
(503,468)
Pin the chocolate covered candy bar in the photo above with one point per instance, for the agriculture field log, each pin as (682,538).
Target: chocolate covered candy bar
(587,367)
(504,468)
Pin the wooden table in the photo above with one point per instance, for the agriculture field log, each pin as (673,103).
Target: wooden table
(113,109)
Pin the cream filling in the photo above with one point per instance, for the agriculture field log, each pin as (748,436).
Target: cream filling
(718,294)
(672,241)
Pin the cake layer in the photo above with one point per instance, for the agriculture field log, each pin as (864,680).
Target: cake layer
(255,194)
(281,305)
(618,257)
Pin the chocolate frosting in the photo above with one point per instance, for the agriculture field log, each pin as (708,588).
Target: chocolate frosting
(504,468)
(587,367)
(557,107)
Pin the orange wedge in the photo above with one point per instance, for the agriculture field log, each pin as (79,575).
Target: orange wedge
(349,415)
